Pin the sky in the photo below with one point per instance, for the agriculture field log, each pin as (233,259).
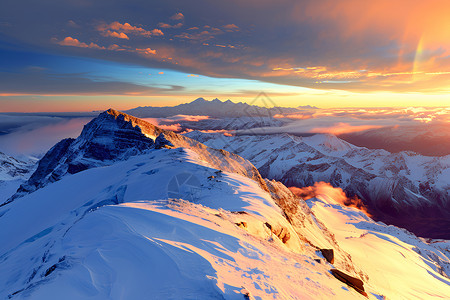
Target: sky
(82,55)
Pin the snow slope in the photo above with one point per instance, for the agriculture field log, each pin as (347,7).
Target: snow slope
(386,252)
(397,187)
(122,238)
(171,223)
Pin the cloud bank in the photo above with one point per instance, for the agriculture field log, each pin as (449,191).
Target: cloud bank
(327,45)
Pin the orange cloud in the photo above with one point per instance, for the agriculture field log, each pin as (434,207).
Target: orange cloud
(231,27)
(127,28)
(115,34)
(326,190)
(69,41)
(165,25)
(417,26)
(177,16)
(115,47)
(146,51)
(204,35)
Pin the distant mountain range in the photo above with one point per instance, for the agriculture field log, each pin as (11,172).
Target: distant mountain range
(13,173)
(214,109)
(405,189)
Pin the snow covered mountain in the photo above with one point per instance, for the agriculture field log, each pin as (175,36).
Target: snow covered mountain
(156,215)
(397,187)
(214,109)
(114,136)
(13,172)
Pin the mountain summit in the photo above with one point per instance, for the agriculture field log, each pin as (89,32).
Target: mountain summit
(114,136)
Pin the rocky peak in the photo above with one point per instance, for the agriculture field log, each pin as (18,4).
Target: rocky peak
(114,136)
(110,137)
(162,142)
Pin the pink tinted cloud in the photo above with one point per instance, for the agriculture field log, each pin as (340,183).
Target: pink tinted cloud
(115,34)
(69,41)
(230,27)
(201,36)
(342,128)
(36,140)
(326,190)
(177,16)
(165,25)
(128,28)
(188,118)
(146,51)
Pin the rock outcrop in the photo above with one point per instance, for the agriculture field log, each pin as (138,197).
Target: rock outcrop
(351,281)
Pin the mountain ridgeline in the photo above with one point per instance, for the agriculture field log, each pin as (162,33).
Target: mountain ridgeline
(114,136)
(214,109)
(404,189)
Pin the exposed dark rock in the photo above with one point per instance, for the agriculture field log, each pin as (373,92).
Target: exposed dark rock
(351,281)
(50,270)
(241,212)
(162,142)
(242,224)
(328,254)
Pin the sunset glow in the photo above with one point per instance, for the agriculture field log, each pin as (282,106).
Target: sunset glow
(333,54)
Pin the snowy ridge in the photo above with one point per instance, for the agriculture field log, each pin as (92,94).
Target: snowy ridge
(395,186)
